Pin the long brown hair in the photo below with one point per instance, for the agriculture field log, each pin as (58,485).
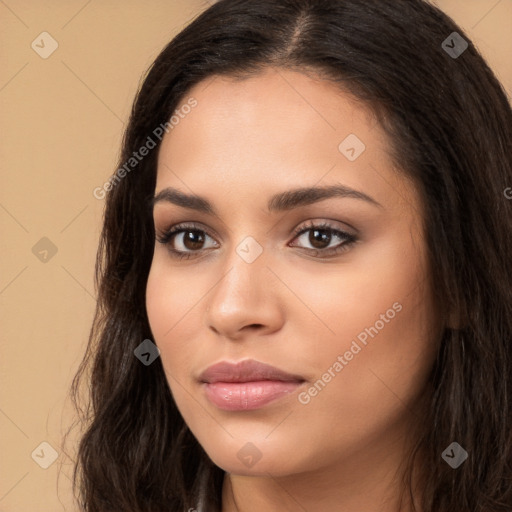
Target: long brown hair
(451,127)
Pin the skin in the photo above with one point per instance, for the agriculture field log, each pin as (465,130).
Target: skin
(292,308)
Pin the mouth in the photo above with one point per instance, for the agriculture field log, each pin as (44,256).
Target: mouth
(247,385)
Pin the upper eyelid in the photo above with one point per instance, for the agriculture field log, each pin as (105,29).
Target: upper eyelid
(184,226)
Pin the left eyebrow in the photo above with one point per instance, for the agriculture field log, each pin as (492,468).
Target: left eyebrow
(282,201)
(304,196)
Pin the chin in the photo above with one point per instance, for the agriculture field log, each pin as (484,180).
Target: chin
(247,459)
(234,466)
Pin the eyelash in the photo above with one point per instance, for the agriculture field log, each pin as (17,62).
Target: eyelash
(166,237)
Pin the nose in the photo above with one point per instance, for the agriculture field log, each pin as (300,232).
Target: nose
(245,300)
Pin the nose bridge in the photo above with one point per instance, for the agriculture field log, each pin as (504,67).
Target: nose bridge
(241,296)
(244,271)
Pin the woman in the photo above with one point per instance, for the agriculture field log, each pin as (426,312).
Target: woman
(305,294)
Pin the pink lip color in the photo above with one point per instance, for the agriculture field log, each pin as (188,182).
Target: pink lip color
(247,396)
(246,385)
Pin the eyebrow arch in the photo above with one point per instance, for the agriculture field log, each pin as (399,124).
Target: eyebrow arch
(282,201)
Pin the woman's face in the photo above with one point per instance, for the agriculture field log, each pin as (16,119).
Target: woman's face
(345,307)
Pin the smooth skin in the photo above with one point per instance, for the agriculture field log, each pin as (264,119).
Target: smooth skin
(293,307)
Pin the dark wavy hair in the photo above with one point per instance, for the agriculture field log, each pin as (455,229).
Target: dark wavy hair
(450,125)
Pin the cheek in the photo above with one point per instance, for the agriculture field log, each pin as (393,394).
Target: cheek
(169,301)
(159,301)
(375,292)
(382,322)
(377,382)
(386,361)
(170,294)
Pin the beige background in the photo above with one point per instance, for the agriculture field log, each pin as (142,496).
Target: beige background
(61,120)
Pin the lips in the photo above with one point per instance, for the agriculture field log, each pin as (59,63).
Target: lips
(247,385)
(246,371)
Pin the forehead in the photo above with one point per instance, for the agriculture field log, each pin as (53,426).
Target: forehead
(275,130)
(275,100)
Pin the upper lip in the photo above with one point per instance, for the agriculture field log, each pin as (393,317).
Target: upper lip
(248,370)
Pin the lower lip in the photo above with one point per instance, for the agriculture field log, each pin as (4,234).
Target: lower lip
(247,396)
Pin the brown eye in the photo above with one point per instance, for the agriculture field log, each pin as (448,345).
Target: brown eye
(185,241)
(320,237)
(192,240)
